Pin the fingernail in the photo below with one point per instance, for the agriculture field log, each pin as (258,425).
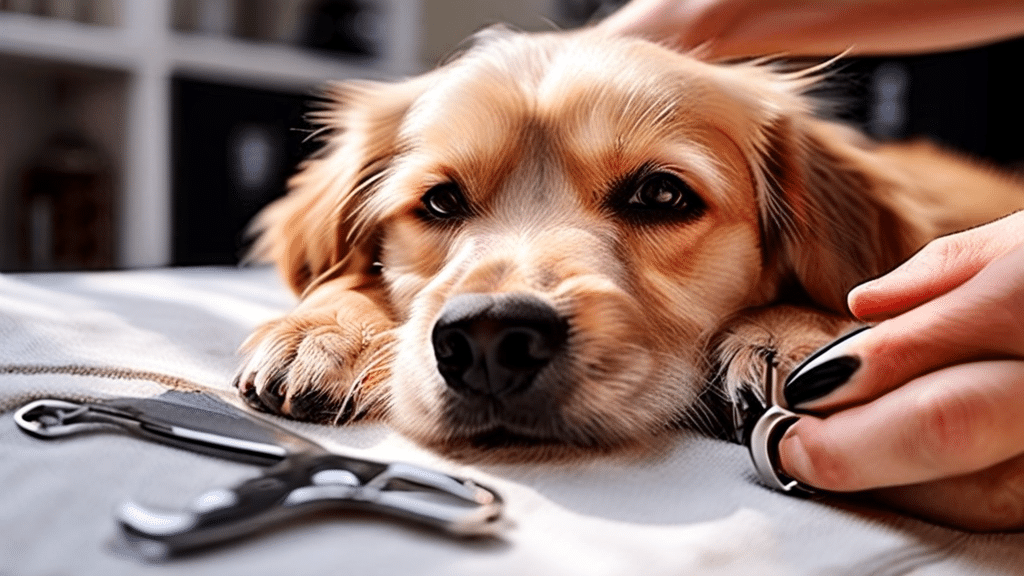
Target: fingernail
(824,371)
(821,380)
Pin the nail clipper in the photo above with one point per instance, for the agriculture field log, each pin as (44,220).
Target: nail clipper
(767,432)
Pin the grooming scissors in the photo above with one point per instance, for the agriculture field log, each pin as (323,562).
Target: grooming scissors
(302,476)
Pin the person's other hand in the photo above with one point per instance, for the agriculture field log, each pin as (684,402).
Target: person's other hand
(746,28)
(685,24)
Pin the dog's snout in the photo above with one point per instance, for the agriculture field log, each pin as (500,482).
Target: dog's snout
(496,345)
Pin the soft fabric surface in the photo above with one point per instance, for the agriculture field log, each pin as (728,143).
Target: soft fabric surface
(695,509)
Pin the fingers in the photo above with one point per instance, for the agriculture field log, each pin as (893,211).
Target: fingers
(950,422)
(643,18)
(936,269)
(983,318)
(687,25)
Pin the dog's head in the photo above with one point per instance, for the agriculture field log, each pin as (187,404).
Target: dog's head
(561,222)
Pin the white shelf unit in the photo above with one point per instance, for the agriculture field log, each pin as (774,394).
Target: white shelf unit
(123,68)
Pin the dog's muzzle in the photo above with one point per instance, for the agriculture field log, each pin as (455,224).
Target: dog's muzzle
(495,345)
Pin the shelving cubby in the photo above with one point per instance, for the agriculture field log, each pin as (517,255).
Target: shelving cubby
(107,67)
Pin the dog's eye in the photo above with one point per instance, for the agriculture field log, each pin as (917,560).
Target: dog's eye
(651,196)
(445,201)
(663,191)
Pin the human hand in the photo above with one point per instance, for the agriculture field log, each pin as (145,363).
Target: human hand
(745,28)
(932,418)
(685,24)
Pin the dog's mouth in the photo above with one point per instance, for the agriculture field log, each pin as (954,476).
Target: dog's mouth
(484,422)
(487,427)
(531,418)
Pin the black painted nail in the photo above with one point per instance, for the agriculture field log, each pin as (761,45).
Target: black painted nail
(820,380)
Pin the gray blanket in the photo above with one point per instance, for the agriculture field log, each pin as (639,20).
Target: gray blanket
(695,509)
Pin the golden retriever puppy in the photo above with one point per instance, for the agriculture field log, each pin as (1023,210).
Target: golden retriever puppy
(561,239)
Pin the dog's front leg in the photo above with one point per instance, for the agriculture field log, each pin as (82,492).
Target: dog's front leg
(789,332)
(327,361)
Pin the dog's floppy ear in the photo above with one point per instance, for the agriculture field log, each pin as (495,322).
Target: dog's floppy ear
(827,223)
(319,229)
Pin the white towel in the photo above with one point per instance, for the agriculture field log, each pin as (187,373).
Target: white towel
(693,510)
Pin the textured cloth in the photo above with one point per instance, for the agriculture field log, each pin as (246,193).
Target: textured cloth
(695,509)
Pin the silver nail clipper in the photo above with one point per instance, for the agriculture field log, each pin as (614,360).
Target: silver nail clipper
(764,435)
(302,478)
(768,430)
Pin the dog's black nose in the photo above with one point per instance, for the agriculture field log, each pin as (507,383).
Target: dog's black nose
(495,345)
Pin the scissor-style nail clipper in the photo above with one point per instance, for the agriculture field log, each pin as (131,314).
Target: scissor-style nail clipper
(303,476)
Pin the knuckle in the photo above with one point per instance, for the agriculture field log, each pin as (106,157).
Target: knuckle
(884,370)
(1002,509)
(1004,495)
(957,254)
(942,249)
(944,257)
(990,500)
(950,427)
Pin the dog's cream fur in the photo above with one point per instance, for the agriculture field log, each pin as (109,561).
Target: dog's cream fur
(541,132)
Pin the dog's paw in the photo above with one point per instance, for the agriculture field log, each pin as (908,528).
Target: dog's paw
(310,367)
(789,333)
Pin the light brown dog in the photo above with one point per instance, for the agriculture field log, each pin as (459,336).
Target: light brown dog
(560,239)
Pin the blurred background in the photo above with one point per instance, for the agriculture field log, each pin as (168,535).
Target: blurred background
(139,133)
